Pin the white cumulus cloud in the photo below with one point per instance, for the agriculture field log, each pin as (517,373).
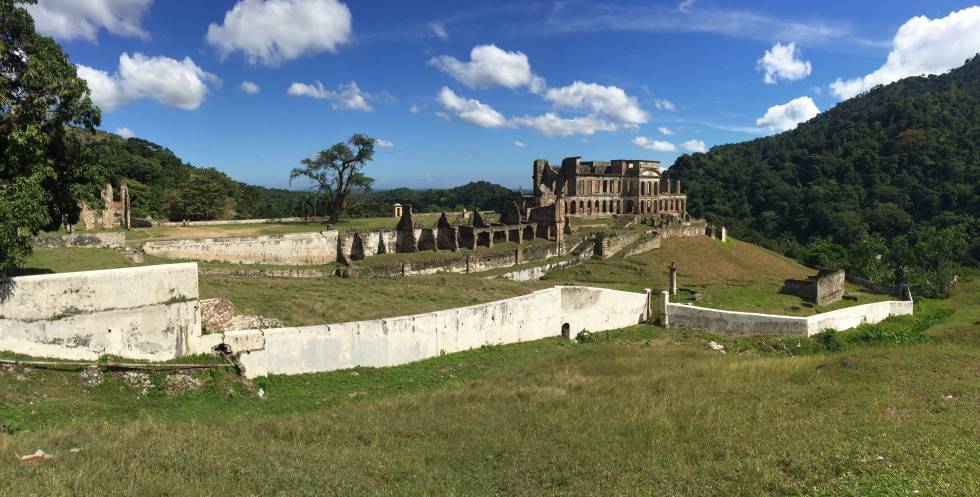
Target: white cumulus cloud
(250,87)
(655,145)
(694,146)
(786,116)
(664,130)
(554,126)
(520,144)
(125,133)
(270,31)
(383,143)
(609,101)
(471,110)
(74,19)
(490,66)
(175,83)
(783,62)
(664,104)
(922,46)
(346,97)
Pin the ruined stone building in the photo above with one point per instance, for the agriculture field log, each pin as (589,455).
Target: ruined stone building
(598,188)
(115,212)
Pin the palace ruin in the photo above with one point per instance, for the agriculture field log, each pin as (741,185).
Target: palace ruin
(599,188)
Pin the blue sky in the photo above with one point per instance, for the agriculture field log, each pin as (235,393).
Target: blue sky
(465,91)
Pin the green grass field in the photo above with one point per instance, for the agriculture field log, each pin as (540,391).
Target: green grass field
(733,275)
(640,411)
(725,274)
(309,301)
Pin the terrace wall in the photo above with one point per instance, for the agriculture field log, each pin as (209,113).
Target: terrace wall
(734,323)
(289,249)
(107,239)
(142,313)
(389,342)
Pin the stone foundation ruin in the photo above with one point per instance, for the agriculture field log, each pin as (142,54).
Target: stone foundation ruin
(825,288)
(325,247)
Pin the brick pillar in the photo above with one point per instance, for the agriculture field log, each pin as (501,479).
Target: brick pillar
(673,278)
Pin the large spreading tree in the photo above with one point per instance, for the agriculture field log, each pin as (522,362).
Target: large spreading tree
(336,171)
(44,171)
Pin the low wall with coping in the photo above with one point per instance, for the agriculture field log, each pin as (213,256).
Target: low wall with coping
(106,239)
(142,313)
(388,342)
(735,323)
(290,248)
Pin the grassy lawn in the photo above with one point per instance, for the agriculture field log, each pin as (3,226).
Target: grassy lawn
(308,301)
(640,411)
(731,275)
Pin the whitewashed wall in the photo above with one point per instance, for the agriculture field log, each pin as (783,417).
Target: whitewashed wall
(736,323)
(401,340)
(142,313)
(289,248)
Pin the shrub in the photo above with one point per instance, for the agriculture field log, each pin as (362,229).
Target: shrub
(830,340)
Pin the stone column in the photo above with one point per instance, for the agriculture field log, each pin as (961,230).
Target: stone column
(649,311)
(724,234)
(664,305)
(672,285)
(905,292)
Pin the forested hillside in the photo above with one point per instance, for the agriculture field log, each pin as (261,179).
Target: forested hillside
(161,185)
(481,195)
(893,173)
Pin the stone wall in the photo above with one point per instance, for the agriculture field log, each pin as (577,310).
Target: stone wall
(734,323)
(825,288)
(109,239)
(651,243)
(466,262)
(401,340)
(142,313)
(289,249)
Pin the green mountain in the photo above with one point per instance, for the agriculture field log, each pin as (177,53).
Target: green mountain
(163,186)
(894,172)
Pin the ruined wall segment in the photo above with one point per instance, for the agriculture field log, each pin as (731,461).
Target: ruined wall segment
(289,249)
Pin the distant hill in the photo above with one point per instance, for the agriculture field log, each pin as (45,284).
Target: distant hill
(162,185)
(895,172)
(481,195)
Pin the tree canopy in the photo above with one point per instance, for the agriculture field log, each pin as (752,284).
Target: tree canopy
(337,171)
(44,171)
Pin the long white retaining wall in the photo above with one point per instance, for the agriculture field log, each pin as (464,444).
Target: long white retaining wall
(143,313)
(753,324)
(290,248)
(401,340)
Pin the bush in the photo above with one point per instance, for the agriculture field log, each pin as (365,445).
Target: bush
(830,340)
